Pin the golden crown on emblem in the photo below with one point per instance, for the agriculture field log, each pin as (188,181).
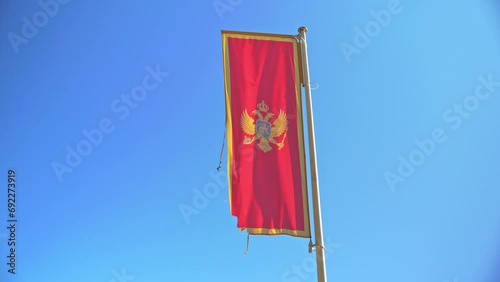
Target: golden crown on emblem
(263,107)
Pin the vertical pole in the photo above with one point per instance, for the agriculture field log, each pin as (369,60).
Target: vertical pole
(318,228)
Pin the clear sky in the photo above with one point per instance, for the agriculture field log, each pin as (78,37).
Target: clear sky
(113,114)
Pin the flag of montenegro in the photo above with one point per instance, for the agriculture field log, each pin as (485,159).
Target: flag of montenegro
(266,159)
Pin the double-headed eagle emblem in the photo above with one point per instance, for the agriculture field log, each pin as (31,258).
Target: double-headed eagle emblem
(261,130)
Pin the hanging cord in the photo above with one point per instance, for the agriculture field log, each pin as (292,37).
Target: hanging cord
(248,244)
(222,149)
(316,85)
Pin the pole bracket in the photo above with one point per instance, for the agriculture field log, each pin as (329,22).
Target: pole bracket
(313,247)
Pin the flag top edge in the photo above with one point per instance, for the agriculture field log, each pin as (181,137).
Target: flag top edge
(257,34)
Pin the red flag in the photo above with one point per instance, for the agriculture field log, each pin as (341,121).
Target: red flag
(266,159)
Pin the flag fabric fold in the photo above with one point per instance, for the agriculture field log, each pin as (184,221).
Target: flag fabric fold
(265,136)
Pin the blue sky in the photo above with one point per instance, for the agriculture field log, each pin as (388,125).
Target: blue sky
(113,115)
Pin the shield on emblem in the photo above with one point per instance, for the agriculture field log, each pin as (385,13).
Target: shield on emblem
(264,128)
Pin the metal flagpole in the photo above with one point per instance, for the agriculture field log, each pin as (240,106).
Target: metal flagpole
(318,228)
